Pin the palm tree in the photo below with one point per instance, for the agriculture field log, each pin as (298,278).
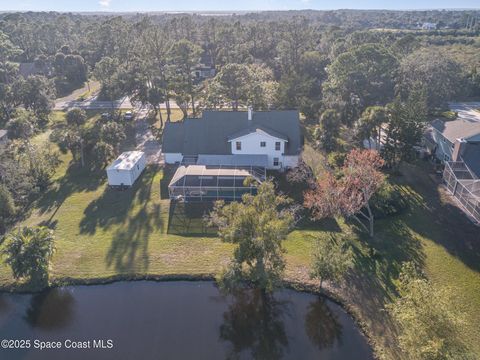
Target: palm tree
(28,252)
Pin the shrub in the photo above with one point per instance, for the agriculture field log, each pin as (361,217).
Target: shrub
(336,159)
(388,201)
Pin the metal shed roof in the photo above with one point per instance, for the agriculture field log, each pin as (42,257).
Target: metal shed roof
(126,161)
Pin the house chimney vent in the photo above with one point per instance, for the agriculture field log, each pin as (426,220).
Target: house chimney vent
(250,113)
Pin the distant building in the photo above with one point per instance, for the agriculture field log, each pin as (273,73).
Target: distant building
(203,72)
(429,26)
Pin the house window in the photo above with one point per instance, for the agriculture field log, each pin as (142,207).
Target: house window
(263,144)
(239,145)
(275,161)
(277,145)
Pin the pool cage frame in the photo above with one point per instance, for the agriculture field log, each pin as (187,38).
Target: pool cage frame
(224,182)
(464,186)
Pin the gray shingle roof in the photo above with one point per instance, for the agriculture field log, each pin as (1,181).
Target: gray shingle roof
(210,133)
(173,137)
(3,133)
(257,128)
(471,157)
(457,129)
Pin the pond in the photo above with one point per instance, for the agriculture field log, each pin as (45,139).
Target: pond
(176,320)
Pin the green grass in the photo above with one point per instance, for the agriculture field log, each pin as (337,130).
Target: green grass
(175,115)
(94,88)
(57,116)
(102,232)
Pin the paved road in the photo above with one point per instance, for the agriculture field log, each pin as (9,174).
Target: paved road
(93,104)
(467,111)
(145,140)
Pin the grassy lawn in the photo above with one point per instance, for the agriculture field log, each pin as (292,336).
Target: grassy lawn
(175,115)
(103,233)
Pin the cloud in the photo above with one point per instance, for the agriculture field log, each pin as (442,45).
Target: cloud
(105,3)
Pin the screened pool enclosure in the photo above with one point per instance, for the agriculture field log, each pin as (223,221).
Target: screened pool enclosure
(464,186)
(209,183)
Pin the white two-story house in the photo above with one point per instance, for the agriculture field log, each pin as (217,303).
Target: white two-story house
(271,139)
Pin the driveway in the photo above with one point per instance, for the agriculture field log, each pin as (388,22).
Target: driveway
(145,140)
(468,111)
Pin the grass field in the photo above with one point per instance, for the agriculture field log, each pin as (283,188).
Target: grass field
(102,233)
(175,115)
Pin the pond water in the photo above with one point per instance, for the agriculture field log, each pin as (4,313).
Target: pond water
(177,320)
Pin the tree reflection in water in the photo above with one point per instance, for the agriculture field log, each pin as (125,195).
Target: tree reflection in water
(322,325)
(51,309)
(254,322)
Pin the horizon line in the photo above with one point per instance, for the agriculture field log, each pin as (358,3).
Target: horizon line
(106,11)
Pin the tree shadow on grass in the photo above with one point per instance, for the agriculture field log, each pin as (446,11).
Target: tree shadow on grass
(377,264)
(434,216)
(114,206)
(381,258)
(129,248)
(328,224)
(168,172)
(76,179)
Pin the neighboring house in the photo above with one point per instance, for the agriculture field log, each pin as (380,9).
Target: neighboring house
(271,139)
(441,135)
(126,169)
(3,136)
(457,144)
(203,72)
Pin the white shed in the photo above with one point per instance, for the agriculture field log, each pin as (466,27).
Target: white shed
(126,168)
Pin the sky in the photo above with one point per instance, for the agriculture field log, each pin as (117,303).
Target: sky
(228,5)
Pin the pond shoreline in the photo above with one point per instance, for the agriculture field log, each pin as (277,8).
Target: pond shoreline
(287,284)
